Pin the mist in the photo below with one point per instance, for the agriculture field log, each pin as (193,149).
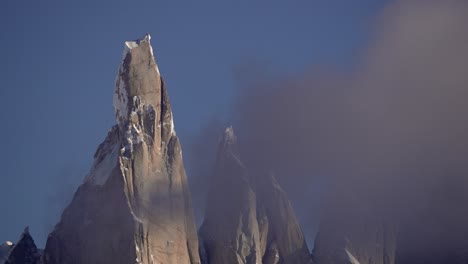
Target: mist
(388,135)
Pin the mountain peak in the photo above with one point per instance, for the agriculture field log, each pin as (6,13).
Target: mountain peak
(138,79)
(248,219)
(229,138)
(24,251)
(139,168)
(130,44)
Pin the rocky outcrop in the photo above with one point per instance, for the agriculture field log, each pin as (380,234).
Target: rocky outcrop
(134,206)
(23,252)
(248,220)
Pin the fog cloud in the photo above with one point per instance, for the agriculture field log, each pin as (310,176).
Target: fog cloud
(390,134)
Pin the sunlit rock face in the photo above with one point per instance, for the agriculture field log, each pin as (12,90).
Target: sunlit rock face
(248,220)
(134,206)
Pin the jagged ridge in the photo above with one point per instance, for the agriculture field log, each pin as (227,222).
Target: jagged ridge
(248,219)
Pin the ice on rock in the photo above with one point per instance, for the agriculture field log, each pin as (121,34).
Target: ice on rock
(351,258)
(129,45)
(229,136)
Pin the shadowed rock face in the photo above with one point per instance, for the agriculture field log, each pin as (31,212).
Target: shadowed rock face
(24,251)
(5,249)
(230,229)
(280,233)
(134,206)
(247,221)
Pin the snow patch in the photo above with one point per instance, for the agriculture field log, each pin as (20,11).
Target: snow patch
(157,69)
(5,249)
(351,258)
(229,136)
(172,126)
(133,136)
(131,44)
(152,54)
(138,219)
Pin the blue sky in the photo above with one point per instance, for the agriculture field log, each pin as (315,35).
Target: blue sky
(60,59)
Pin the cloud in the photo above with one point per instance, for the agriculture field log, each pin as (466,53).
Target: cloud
(391,134)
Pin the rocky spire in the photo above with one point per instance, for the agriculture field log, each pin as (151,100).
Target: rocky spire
(134,206)
(230,229)
(281,235)
(24,251)
(248,220)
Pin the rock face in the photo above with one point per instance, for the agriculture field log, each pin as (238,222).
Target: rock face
(23,252)
(248,220)
(280,233)
(134,206)
(230,229)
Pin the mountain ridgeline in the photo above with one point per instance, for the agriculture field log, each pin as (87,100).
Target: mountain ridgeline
(135,206)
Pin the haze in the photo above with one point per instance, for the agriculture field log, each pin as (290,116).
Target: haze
(356,107)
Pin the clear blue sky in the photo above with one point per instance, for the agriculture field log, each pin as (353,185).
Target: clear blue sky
(60,58)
